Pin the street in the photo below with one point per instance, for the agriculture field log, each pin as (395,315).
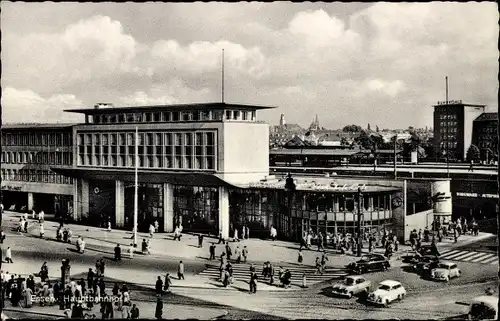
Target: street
(425,299)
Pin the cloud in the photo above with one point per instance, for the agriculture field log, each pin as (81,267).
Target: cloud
(26,106)
(341,61)
(390,88)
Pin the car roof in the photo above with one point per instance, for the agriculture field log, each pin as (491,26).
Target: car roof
(489,300)
(354,277)
(389,283)
(447,263)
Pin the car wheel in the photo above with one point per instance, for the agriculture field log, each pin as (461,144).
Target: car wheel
(402,296)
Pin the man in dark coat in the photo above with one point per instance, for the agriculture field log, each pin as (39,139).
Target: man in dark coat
(134,312)
(212,252)
(118,252)
(159,286)
(159,309)
(90,278)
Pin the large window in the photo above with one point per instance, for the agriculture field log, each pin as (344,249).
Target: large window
(177,150)
(196,208)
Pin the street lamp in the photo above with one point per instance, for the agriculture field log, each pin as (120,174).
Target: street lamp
(289,189)
(360,197)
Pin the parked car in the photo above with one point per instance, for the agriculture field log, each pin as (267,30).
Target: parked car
(351,286)
(387,292)
(369,263)
(445,271)
(483,307)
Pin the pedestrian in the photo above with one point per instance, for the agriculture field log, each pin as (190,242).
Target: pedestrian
(134,312)
(318,267)
(274,233)
(228,252)
(8,255)
(156,226)
(212,252)
(2,236)
(25,226)
(41,216)
(248,233)
(300,258)
(200,240)
(320,241)
(168,282)
(304,280)
(159,286)
(177,233)
(102,266)
(396,243)
(243,232)
(109,226)
(42,230)
(118,252)
(324,258)
(253,282)
(244,253)
(221,239)
(151,230)
(471,167)
(180,271)
(237,252)
(131,251)
(159,309)
(235,235)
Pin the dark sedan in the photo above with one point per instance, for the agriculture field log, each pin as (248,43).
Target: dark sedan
(425,265)
(369,263)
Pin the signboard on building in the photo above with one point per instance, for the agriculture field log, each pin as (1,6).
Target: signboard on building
(449,102)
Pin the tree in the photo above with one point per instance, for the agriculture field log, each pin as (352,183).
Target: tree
(368,127)
(376,128)
(473,154)
(352,129)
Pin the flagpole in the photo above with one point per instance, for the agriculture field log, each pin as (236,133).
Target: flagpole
(395,164)
(136,165)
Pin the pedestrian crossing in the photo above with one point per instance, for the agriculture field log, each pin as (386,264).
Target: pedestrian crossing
(241,272)
(469,256)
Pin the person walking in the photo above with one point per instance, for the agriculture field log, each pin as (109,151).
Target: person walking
(41,216)
(471,167)
(228,252)
(159,309)
(151,230)
(320,241)
(159,286)
(324,259)
(235,235)
(42,230)
(318,266)
(244,253)
(8,255)
(253,282)
(200,240)
(109,226)
(177,233)
(180,271)
(237,253)
(131,251)
(118,252)
(134,312)
(212,252)
(274,233)
(243,232)
(167,283)
(156,226)
(2,236)
(221,239)
(300,259)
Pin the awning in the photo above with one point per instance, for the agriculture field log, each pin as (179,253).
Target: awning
(145,176)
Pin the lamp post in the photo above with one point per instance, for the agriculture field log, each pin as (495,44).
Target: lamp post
(395,164)
(289,189)
(360,197)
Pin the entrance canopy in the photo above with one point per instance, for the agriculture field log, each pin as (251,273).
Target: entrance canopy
(145,176)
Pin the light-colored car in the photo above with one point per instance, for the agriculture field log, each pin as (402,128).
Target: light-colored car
(445,271)
(387,292)
(483,307)
(351,285)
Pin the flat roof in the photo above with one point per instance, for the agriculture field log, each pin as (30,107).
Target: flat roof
(320,184)
(311,151)
(176,107)
(460,104)
(37,125)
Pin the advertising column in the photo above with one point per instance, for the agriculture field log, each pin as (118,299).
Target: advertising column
(119,203)
(224,212)
(168,207)
(441,195)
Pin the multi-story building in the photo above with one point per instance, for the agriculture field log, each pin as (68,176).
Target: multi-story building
(205,166)
(485,136)
(453,128)
(28,152)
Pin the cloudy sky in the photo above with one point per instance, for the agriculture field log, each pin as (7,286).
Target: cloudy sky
(379,63)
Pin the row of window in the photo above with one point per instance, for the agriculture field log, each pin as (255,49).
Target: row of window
(173,150)
(492,130)
(448,124)
(447,116)
(33,175)
(52,158)
(36,139)
(173,116)
(450,145)
(200,138)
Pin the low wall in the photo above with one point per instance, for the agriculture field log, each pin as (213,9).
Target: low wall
(418,221)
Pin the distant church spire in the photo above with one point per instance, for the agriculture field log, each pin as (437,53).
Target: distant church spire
(315,124)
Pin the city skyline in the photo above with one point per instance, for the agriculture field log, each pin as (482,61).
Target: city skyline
(383,58)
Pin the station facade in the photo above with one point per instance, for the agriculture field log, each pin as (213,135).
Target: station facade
(206,166)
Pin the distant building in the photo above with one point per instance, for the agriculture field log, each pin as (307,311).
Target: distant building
(282,120)
(453,128)
(315,124)
(485,136)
